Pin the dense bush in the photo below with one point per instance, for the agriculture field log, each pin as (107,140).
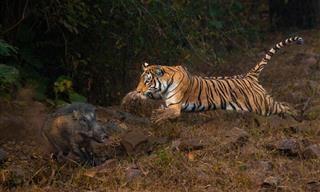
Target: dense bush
(9,75)
(100,44)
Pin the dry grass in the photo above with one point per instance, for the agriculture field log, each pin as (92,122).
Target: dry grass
(214,168)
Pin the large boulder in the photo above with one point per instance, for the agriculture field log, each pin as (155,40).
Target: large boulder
(288,147)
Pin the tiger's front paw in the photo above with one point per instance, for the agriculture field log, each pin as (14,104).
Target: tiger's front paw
(161,115)
(158,116)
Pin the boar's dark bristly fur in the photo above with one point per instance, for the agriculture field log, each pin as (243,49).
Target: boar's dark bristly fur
(71,129)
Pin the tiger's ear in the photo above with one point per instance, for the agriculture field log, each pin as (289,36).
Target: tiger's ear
(159,72)
(144,66)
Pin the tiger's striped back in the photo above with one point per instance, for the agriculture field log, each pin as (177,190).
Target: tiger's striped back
(182,91)
(238,94)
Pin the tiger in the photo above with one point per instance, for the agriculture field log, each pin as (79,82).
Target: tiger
(183,92)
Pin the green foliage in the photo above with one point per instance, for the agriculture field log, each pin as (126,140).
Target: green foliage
(6,49)
(8,74)
(9,77)
(63,88)
(101,44)
(62,85)
(76,97)
(163,158)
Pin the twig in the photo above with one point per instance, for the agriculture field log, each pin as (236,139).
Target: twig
(20,20)
(306,104)
(65,44)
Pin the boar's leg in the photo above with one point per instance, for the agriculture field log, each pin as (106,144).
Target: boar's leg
(77,151)
(81,153)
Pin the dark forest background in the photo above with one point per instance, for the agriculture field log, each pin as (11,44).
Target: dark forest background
(92,50)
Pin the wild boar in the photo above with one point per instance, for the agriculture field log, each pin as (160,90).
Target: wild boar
(71,129)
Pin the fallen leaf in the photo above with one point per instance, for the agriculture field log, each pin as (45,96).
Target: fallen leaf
(190,156)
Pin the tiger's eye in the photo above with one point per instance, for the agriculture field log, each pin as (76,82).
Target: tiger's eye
(147,78)
(159,72)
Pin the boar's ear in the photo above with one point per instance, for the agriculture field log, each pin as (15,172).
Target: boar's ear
(90,116)
(76,114)
(144,66)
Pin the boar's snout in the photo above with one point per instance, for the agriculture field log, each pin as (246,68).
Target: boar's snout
(98,133)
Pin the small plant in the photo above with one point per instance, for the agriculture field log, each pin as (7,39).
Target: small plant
(6,49)
(9,77)
(63,91)
(164,158)
(62,85)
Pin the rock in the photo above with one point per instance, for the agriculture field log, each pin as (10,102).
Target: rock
(237,137)
(132,172)
(270,182)
(3,156)
(133,142)
(158,140)
(188,144)
(289,147)
(193,144)
(313,186)
(311,152)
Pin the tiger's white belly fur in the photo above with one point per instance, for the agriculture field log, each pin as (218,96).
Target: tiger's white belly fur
(191,107)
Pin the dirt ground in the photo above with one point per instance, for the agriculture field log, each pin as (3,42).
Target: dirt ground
(237,151)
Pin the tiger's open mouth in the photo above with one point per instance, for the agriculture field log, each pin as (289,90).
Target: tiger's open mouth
(149,95)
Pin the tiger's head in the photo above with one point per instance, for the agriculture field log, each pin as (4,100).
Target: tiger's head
(154,81)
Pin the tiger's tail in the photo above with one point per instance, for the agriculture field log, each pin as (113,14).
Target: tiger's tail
(255,72)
